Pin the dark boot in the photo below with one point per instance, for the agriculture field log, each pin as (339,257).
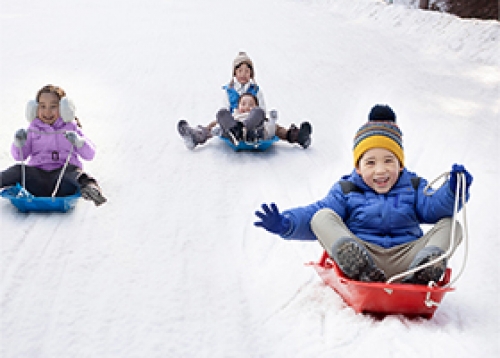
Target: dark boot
(431,273)
(301,135)
(192,136)
(90,190)
(355,261)
(255,135)
(235,133)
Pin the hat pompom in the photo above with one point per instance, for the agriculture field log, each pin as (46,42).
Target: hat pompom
(382,113)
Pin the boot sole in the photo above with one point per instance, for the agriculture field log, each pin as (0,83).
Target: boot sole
(356,264)
(93,195)
(183,129)
(428,274)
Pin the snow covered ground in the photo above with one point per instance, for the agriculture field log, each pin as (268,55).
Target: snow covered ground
(172,265)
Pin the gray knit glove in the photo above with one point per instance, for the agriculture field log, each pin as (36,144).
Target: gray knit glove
(20,138)
(74,139)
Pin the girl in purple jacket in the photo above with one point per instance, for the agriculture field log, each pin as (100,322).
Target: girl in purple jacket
(369,223)
(53,137)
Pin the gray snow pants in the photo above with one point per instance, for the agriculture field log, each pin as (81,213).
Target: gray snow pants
(329,227)
(42,183)
(255,118)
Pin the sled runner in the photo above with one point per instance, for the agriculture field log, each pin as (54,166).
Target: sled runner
(380,297)
(384,298)
(260,145)
(26,202)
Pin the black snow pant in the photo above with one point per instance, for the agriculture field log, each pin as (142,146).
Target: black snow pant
(42,183)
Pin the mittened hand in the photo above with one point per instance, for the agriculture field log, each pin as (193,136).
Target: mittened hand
(20,137)
(456,169)
(74,139)
(272,220)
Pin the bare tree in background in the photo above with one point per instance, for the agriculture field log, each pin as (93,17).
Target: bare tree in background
(478,9)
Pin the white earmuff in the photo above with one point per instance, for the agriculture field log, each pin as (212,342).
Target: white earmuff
(66,109)
(31,108)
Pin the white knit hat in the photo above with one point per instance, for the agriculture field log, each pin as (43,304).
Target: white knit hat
(243,58)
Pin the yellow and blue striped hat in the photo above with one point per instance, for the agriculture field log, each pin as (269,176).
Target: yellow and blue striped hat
(381,131)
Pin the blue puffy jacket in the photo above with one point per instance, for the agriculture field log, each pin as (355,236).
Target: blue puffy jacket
(387,219)
(234,96)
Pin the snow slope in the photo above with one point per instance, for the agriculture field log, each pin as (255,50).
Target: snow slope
(172,266)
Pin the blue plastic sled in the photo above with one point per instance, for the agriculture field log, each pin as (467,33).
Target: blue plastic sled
(261,145)
(26,202)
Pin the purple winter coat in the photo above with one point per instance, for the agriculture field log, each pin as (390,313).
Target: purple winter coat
(48,147)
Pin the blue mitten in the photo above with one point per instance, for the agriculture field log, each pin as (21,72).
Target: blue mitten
(455,170)
(272,220)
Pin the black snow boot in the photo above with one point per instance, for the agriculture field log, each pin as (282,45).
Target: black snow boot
(355,261)
(430,273)
(235,133)
(192,136)
(301,135)
(255,135)
(91,191)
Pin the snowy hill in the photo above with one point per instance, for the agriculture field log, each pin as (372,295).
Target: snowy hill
(172,265)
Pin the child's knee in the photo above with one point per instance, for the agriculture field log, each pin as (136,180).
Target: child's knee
(222,112)
(322,217)
(442,233)
(258,111)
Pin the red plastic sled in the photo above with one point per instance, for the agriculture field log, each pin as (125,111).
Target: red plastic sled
(382,298)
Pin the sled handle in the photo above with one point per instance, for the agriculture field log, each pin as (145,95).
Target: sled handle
(62,171)
(23,168)
(461,185)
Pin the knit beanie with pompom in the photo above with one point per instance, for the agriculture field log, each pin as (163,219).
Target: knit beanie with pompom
(243,58)
(381,131)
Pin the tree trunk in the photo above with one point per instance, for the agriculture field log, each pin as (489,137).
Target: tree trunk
(423,4)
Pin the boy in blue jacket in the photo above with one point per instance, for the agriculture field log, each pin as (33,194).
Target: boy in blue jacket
(369,223)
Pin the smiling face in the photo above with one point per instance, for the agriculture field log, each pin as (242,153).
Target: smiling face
(243,73)
(379,169)
(246,103)
(48,108)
